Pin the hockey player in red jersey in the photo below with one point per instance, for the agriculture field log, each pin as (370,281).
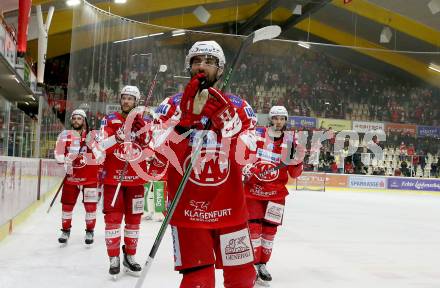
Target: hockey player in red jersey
(73,153)
(266,189)
(209,226)
(121,143)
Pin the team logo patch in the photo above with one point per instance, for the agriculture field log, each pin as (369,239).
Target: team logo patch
(274,212)
(128,151)
(259,131)
(237,101)
(236,248)
(210,169)
(265,175)
(80,161)
(249,112)
(177,98)
(163,109)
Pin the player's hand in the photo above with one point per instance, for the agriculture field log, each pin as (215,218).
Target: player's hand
(138,123)
(187,101)
(218,108)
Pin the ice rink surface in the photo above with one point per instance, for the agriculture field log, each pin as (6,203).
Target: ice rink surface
(328,240)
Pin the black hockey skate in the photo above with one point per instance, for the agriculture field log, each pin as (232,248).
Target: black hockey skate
(64,237)
(130,265)
(263,276)
(115,267)
(88,239)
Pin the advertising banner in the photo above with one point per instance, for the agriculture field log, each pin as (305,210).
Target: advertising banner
(401,128)
(364,127)
(414,184)
(311,179)
(428,131)
(336,124)
(301,122)
(336,180)
(157,195)
(367,182)
(321,179)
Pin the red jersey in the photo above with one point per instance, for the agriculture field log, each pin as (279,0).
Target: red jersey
(117,153)
(158,167)
(213,196)
(272,186)
(72,145)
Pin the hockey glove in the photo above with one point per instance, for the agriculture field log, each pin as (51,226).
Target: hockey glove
(138,123)
(187,102)
(218,108)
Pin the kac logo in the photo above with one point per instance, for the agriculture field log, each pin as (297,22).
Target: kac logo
(129,151)
(266,174)
(80,161)
(210,169)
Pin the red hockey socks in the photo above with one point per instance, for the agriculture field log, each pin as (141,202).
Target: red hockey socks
(239,276)
(131,233)
(67,216)
(113,233)
(90,216)
(203,277)
(255,229)
(267,238)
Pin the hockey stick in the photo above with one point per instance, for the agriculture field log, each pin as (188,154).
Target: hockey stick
(265,33)
(56,194)
(162,68)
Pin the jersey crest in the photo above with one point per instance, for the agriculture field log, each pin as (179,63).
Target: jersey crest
(210,169)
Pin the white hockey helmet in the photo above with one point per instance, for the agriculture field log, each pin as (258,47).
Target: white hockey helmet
(131,90)
(278,111)
(79,112)
(206,48)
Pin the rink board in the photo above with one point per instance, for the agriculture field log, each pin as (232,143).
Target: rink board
(342,189)
(8,228)
(311,181)
(26,183)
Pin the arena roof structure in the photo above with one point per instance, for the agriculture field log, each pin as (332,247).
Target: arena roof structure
(411,26)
